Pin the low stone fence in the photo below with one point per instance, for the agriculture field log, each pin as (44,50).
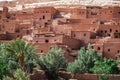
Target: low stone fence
(67,75)
(40,75)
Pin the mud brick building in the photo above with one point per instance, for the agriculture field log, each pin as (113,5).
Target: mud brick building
(70,28)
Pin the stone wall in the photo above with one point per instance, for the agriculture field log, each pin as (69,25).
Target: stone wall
(40,75)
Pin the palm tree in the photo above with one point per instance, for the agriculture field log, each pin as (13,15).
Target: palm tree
(20,49)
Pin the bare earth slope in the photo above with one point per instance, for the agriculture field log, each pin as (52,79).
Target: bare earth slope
(80,2)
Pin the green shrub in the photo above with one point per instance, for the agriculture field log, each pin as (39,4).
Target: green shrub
(51,62)
(105,66)
(4,69)
(85,61)
(18,75)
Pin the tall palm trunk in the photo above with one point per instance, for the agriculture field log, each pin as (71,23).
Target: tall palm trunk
(21,61)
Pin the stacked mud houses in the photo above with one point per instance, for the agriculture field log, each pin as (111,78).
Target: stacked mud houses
(67,27)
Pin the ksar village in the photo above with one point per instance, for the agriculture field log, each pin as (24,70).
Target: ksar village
(60,40)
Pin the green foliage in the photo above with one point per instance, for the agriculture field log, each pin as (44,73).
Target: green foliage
(20,55)
(18,75)
(4,69)
(30,62)
(52,61)
(85,61)
(105,66)
(104,77)
(7,78)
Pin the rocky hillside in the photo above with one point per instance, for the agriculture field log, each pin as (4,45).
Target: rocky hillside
(69,2)
(92,2)
(78,2)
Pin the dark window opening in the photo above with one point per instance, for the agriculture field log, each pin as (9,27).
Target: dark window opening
(101,22)
(18,35)
(43,17)
(116,36)
(82,12)
(74,35)
(116,31)
(74,56)
(93,13)
(41,51)
(84,34)
(47,41)
(101,31)
(8,17)
(108,50)
(118,51)
(105,31)
(92,47)
(98,48)
(109,35)
(110,30)
(118,12)
(17,30)
(36,41)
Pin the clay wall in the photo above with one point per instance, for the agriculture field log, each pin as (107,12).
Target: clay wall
(108,30)
(79,13)
(110,12)
(23,15)
(62,29)
(11,36)
(5,12)
(93,12)
(66,10)
(48,39)
(82,35)
(7,26)
(40,75)
(111,48)
(72,43)
(98,48)
(45,13)
(43,48)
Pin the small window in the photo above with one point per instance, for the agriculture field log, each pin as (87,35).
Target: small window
(108,50)
(92,47)
(101,31)
(41,51)
(109,35)
(116,30)
(98,48)
(74,35)
(118,51)
(116,36)
(74,56)
(36,41)
(84,34)
(82,12)
(110,30)
(47,41)
(18,35)
(105,31)
(43,17)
